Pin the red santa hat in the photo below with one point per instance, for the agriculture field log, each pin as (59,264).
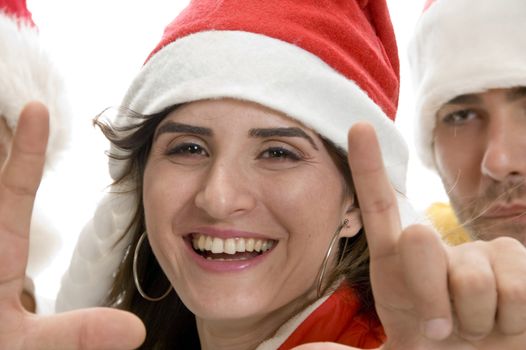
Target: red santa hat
(27,73)
(461,47)
(327,64)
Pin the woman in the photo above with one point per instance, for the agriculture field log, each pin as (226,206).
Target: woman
(298,187)
(238,246)
(240,138)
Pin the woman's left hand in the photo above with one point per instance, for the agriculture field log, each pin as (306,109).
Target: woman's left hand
(429,295)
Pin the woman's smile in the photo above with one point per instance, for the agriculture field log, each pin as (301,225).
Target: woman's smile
(217,254)
(238,248)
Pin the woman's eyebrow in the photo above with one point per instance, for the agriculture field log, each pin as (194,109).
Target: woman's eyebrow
(170,127)
(282,132)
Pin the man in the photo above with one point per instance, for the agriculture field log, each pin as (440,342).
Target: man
(468,64)
(26,74)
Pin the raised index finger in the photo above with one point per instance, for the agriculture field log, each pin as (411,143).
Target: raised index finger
(20,177)
(19,181)
(375,194)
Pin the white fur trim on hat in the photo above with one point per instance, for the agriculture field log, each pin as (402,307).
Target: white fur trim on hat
(239,65)
(27,74)
(461,47)
(267,71)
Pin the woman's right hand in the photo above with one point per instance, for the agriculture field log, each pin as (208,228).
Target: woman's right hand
(96,328)
(428,295)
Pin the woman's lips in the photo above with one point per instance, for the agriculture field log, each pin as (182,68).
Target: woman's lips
(219,254)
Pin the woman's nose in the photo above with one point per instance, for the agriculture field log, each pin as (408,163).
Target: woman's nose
(225,192)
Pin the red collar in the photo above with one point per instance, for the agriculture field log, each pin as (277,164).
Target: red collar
(337,320)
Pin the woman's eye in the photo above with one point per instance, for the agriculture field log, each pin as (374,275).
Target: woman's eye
(187,149)
(459,117)
(280,153)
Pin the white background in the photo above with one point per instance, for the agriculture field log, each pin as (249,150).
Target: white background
(99,46)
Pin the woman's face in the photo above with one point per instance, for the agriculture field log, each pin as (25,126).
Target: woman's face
(240,203)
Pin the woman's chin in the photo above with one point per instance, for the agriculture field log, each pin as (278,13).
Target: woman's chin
(233,307)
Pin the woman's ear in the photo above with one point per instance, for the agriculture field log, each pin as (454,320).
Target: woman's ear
(354,225)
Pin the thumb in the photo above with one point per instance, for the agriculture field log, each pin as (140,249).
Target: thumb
(96,328)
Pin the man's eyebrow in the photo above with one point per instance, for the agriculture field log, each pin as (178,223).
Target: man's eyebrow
(282,132)
(169,127)
(516,93)
(464,99)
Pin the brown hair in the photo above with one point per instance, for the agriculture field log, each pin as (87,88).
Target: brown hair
(169,323)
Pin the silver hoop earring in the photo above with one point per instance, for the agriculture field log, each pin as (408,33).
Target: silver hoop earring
(323,269)
(136,276)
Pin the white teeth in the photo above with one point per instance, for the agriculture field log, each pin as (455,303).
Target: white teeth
(201,243)
(240,245)
(249,245)
(230,246)
(208,243)
(217,246)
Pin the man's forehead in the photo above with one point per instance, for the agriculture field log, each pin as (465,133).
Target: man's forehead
(511,94)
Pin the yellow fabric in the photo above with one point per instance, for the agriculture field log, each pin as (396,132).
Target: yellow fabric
(445,221)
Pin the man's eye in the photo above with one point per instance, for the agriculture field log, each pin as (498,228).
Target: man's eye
(280,153)
(187,149)
(459,117)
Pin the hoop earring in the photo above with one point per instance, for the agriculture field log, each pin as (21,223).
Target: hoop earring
(136,276)
(327,255)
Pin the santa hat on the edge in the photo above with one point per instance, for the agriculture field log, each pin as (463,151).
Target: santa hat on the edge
(27,74)
(328,64)
(461,47)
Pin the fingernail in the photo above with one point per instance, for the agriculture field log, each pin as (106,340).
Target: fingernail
(437,328)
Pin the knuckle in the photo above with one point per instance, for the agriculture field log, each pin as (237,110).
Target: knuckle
(470,281)
(418,234)
(379,206)
(513,292)
(506,244)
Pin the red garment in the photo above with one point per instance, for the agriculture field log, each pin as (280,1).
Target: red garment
(336,320)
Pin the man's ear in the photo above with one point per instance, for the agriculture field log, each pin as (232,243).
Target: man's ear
(353,215)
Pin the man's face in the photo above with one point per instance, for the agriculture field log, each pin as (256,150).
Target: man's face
(480,152)
(5,140)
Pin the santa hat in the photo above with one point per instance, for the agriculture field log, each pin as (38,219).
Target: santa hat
(327,64)
(27,74)
(461,47)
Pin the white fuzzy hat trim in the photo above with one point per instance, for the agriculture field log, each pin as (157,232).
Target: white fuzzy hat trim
(463,47)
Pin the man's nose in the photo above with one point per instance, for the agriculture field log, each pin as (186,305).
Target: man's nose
(505,153)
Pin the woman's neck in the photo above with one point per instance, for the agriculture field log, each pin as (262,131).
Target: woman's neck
(247,333)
